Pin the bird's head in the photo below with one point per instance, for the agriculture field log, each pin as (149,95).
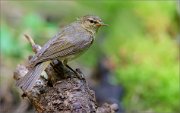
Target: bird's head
(91,23)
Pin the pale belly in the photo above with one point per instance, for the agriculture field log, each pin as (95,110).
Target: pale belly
(71,57)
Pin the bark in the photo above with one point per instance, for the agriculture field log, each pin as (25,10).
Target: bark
(63,91)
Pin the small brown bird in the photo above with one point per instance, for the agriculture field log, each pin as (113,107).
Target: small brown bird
(72,41)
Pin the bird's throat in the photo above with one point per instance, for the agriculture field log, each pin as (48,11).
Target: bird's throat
(89,30)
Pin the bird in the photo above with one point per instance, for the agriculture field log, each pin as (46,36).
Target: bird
(68,44)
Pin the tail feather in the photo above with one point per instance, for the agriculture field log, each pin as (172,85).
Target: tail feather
(27,82)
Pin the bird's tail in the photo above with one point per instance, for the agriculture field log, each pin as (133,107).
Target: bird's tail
(27,82)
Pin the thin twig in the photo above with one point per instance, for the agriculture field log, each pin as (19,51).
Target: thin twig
(35,47)
(30,40)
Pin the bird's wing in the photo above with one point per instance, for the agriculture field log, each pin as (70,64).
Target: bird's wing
(34,59)
(63,47)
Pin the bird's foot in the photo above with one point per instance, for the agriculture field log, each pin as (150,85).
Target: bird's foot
(79,74)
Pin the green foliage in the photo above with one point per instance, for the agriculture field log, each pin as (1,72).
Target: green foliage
(152,76)
(9,45)
(140,39)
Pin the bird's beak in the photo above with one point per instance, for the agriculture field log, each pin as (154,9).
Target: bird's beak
(101,24)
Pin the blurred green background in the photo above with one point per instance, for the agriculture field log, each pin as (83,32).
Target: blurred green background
(142,40)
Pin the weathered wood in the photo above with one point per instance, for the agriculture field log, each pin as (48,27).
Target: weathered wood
(63,91)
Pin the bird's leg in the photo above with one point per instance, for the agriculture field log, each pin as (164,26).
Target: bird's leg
(78,75)
(71,69)
(75,72)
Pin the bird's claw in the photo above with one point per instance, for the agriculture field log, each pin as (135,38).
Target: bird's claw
(79,74)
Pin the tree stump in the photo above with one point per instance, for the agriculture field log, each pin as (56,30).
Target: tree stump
(62,91)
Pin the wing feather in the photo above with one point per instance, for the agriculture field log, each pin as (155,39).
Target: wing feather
(68,42)
(63,48)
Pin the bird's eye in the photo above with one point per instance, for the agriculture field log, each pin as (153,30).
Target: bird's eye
(91,21)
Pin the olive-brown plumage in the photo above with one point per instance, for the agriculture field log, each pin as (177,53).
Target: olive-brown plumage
(68,44)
